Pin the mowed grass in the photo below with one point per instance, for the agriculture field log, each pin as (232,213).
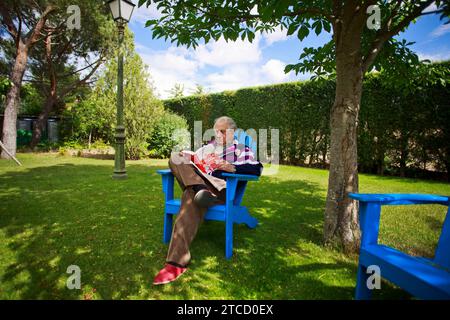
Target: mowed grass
(59,211)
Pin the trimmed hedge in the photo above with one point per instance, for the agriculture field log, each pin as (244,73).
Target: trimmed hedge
(399,133)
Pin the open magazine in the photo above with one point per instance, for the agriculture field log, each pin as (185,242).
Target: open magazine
(206,160)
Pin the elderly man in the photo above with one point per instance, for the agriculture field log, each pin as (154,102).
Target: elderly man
(200,190)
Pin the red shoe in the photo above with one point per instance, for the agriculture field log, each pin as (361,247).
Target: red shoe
(168,274)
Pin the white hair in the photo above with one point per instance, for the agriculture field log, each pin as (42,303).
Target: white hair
(230,122)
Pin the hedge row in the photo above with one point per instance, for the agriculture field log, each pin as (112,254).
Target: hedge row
(399,133)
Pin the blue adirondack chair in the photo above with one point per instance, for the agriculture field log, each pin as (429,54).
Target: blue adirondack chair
(232,212)
(423,278)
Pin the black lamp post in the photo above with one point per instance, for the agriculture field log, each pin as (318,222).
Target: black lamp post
(121,11)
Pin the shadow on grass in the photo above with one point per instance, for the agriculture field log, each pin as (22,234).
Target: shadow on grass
(63,215)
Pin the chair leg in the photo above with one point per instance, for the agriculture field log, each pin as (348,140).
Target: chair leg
(250,221)
(167,227)
(228,238)
(362,292)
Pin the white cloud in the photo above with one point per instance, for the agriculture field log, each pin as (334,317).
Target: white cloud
(434,57)
(165,81)
(241,75)
(277,35)
(221,53)
(432,7)
(169,67)
(230,78)
(142,14)
(441,30)
(217,66)
(274,70)
(172,59)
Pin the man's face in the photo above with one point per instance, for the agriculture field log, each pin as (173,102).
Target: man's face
(223,133)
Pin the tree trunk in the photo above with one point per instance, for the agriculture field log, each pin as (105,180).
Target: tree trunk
(380,159)
(341,225)
(41,121)
(380,167)
(324,155)
(12,101)
(90,137)
(293,149)
(312,153)
(447,166)
(51,98)
(403,155)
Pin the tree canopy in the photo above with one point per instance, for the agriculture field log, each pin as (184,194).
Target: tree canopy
(189,22)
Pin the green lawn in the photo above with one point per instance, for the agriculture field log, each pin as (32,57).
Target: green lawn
(57,211)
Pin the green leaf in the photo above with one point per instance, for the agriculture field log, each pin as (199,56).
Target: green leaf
(292,28)
(318,28)
(303,32)
(250,35)
(150,22)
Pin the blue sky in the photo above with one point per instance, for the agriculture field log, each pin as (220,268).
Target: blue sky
(220,66)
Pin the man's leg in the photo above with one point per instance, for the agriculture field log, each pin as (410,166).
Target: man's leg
(184,172)
(205,188)
(185,228)
(189,218)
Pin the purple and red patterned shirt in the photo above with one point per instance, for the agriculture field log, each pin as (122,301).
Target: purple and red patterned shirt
(241,156)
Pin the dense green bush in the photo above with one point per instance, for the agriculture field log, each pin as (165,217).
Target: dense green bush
(162,140)
(401,130)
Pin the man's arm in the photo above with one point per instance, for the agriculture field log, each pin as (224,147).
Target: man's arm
(246,168)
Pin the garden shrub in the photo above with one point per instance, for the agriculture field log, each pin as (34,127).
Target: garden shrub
(162,139)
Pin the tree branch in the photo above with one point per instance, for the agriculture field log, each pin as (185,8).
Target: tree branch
(8,22)
(19,16)
(386,33)
(36,31)
(314,11)
(82,69)
(84,80)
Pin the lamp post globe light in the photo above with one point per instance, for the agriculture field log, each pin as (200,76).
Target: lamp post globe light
(121,11)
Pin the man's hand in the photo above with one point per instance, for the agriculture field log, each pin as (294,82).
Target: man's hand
(226,166)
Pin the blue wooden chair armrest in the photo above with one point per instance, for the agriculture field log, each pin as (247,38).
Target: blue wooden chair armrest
(400,199)
(164,172)
(167,183)
(370,209)
(242,177)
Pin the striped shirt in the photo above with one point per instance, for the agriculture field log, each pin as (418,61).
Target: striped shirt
(241,156)
(238,154)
